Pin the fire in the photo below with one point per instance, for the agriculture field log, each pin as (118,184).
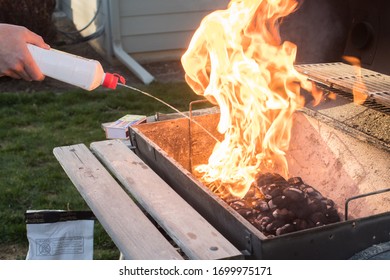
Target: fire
(236,59)
(359,88)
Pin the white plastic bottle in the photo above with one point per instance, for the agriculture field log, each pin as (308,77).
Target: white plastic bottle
(68,68)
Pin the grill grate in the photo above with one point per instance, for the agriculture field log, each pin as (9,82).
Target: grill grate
(341,78)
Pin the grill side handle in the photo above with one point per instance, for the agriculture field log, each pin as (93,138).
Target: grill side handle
(361,196)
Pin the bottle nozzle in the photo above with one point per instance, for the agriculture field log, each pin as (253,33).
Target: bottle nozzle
(111,80)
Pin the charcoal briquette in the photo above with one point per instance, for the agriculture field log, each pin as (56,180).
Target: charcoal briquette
(264,179)
(260,205)
(300,224)
(277,206)
(294,194)
(274,225)
(300,210)
(238,204)
(312,193)
(332,216)
(287,228)
(329,203)
(315,205)
(296,181)
(283,214)
(280,201)
(245,212)
(264,222)
(272,206)
(272,190)
(318,218)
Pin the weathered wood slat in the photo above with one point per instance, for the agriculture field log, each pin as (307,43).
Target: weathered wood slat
(193,234)
(132,232)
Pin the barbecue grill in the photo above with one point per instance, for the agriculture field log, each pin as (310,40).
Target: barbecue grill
(340,148)
(333,161)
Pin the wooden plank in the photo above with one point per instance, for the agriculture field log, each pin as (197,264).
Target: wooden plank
(191,232)
(132,232)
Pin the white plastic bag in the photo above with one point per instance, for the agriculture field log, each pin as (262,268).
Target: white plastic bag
(59,235)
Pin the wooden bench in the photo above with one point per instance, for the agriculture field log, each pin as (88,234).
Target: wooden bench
(135,235)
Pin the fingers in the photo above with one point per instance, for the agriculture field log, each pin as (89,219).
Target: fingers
(30,73)
(20,73)
(31,69)
(12,74)
(24,68)
(16,60)
(37,40)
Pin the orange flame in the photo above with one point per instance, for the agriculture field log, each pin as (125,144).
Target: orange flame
(236,59)
(318,95)
(359,88)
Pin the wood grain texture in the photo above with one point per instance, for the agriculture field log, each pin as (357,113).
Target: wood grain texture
(193,234)
(133,233)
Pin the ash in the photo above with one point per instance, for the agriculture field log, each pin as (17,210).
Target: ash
(277,206)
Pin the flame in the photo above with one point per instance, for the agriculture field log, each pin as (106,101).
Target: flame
(332,96)
(318,95)
(359,89)
(236,59)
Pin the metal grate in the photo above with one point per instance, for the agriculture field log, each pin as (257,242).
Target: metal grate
(342,77)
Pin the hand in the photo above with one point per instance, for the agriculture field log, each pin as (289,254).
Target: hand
(15,58)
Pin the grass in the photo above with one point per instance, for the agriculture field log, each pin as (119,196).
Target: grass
(32,124)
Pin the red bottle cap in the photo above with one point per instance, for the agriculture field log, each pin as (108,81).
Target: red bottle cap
(111,80)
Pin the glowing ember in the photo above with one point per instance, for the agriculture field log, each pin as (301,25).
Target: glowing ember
(236,59)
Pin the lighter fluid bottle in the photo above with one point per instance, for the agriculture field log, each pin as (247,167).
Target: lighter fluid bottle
(68,68)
